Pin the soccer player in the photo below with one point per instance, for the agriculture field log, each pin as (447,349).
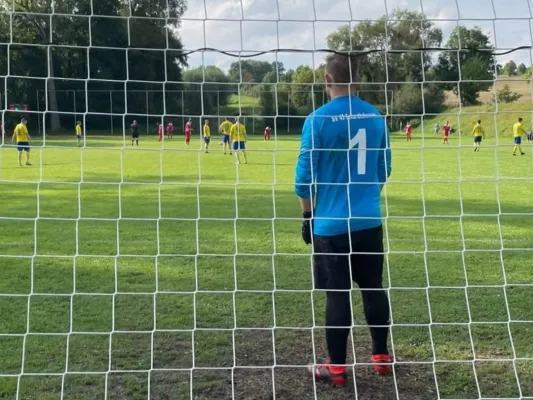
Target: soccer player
(436,129)
(188,130)
(78,133)
(479,134)
(408,131)
(23,139)
(238,141)
(343,178)
(267,133)
(225,130)
(518,131)
(530,136)
(134,133)
(160,131)
(446,132)
(207,134)
(170,130)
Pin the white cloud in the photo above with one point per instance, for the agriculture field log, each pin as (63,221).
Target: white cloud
(263,25)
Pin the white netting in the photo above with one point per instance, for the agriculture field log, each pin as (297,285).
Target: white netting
(161,272)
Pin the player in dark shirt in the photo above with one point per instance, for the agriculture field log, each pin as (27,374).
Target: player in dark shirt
(134,133)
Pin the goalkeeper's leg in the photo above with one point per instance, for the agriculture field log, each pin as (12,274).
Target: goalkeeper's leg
(332,273)
(367,270)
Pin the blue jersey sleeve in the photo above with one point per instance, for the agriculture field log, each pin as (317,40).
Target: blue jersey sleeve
(306,166)
(384,160)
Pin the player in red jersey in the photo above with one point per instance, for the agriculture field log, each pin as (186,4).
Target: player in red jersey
(170,130)
(446,132)
(160,131)
(268,132)
(188,130)
(408,131)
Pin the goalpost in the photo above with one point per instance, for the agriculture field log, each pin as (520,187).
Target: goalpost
(161,272)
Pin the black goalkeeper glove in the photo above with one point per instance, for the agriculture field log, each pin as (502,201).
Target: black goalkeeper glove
(307,227)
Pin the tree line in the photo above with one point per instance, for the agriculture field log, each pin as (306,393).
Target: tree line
(141,60)
(510,68)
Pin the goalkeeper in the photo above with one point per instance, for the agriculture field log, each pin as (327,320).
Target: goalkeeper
(343,163)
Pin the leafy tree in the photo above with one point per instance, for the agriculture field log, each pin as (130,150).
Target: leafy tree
(279,68)
(38,29)
(319,88)
(473,66)
(412,98)
(210,95)
(402,30)
(268,104)
(505,95)
(522,69)
(406,29)
(301,88)
(249,71)
(510,68)
(32,24)
(287,77)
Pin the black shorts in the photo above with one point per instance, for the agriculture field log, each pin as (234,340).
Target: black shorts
(23,146)
(356,256)
(135,136)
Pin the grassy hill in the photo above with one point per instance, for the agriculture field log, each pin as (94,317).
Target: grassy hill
(248,105)
(517,84)
(496,119)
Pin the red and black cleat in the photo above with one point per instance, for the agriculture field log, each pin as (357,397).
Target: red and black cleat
(382,363)
(328,374)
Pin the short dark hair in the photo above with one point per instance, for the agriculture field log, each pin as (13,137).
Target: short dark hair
(342,68)
(519,119)
(479,121)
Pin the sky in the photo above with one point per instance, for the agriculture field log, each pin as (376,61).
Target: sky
(260,25)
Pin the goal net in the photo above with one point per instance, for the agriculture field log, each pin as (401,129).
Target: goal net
(159,268)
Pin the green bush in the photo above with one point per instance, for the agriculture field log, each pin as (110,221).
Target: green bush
(408,101)
(505,95)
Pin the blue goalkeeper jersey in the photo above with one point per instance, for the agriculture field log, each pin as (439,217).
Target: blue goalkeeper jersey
(344,158)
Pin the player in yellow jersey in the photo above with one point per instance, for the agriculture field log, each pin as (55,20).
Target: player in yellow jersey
(207,134)
(479,134)
(78,132)
(22,137)
(225,130)
(518,131)
(238,141)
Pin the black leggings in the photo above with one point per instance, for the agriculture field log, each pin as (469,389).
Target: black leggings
(359,257)
(339,314)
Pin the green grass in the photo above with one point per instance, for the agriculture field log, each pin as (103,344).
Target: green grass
(247,104)
(497,122)
(111,257)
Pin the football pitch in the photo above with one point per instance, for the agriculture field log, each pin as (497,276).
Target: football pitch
(167,273)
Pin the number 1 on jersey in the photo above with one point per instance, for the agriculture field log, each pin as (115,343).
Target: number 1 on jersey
(360,140)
